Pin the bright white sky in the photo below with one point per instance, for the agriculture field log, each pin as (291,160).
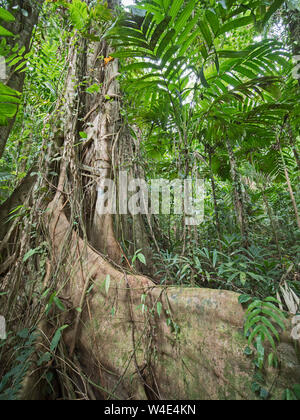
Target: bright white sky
(127,2)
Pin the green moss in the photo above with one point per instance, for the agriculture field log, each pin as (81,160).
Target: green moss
(239,339)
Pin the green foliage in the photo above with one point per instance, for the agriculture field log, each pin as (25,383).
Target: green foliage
(163,41)
(7,17)
(87,19)
(6,177)
(236,268)
(57,337)
(9,98)
(138,255)
(264,321)
(53,300)
(11,382)
(78,13)
(196,89)
(44,82)
(292,394)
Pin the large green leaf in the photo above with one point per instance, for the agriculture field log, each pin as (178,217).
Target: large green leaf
(213,21)
(6,15)
(206,33)
(236,23)
(5,32)
(9,100)
(184,16)
(159,31)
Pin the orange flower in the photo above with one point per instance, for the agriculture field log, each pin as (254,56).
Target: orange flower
(107,60)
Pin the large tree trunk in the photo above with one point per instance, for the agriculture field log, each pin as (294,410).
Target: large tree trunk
(192,349)
(108,150)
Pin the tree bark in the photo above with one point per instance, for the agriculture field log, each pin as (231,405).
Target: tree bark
(18,198)
(289,185)
(214,193)
(272,222)
(293,145)
(238,197)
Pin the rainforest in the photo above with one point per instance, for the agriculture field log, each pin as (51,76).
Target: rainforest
(149,200)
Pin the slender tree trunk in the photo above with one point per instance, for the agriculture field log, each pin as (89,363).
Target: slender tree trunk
(273,225)
(293,145)
(289,185)
(238,197)
(18,198)
(214,193)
